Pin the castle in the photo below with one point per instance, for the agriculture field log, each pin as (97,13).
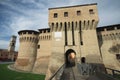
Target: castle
(9,54)
(71,27)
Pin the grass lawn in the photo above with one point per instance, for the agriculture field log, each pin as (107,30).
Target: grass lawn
(6,74)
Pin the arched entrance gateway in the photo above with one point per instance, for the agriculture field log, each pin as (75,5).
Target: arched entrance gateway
(70,56)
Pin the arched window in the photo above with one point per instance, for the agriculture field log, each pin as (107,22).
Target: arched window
(52,24)
(61,24)
(88,22)
(27,38)
(56,24)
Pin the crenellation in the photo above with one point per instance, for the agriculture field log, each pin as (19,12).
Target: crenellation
(105,29)
(110,36)
(45,37)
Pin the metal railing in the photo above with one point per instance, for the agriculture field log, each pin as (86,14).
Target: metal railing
(58,73)
(110,74)
(113,72)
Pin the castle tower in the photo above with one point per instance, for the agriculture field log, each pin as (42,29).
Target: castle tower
(73,28)
(27,50)
(12,43)
(11,48)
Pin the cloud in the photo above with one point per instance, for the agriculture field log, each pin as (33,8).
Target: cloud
(16,15)
(4,44)
(108,18)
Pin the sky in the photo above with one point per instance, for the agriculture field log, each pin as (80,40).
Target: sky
(16,15)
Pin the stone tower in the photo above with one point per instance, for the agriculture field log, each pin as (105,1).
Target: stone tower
(11,48)
(73,27)
(27,50)
(12,43)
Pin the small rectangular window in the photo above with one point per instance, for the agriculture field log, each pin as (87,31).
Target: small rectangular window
(118,56)
(55,15)
(78,13)
(65,14)
(91,11)
(38,46)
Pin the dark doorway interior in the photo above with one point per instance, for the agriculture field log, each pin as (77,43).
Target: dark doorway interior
(83,60)
(70,56)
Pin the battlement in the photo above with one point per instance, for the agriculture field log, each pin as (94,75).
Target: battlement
(44,37)
(110,32)
(45,30)
(28,35)
(22,32)
(109,28)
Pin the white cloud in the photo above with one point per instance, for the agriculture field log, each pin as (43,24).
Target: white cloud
(29,23)
(37,17)
(109,17)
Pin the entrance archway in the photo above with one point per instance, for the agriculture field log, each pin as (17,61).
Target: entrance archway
(70,56)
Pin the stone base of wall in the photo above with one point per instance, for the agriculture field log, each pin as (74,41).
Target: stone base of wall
(41,65)
(24,64)
(56,61)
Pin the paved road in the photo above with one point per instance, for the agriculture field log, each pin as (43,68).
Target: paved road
(72,73)
(76,73)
